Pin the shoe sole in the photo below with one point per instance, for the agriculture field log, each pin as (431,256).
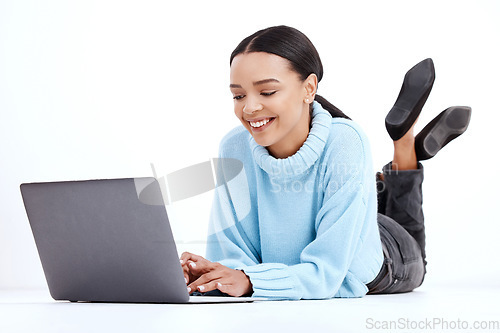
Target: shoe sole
(448,125)
(417,85)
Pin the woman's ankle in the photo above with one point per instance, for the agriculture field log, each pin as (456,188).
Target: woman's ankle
(405,157)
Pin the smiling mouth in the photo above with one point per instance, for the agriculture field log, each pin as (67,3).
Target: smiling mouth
(260,123)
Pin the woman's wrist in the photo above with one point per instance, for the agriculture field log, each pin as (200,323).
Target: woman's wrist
(249,290)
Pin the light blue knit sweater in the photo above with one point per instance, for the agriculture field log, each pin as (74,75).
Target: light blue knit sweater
(303,227)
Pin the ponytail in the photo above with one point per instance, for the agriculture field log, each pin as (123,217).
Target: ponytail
(334,111)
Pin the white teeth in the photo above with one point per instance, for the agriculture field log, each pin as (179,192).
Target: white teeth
(260,123)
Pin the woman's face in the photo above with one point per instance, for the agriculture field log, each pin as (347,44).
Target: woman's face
(270,101)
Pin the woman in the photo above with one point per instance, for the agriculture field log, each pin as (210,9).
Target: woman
(300,220)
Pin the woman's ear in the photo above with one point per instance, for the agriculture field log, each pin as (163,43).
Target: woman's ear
(310,86)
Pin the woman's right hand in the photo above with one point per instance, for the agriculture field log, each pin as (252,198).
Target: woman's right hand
(204,276)
(188,259)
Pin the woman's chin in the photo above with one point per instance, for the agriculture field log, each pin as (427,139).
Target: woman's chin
(264,143)
(260,142)
(260,139)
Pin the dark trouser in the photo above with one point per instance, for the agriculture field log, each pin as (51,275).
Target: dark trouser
(402,231)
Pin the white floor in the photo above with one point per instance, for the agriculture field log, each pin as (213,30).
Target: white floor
(429,308)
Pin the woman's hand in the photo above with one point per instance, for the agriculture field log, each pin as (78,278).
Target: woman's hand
(187,260)
(204,275)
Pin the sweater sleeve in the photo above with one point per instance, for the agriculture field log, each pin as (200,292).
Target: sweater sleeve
(228,241)
(324,264)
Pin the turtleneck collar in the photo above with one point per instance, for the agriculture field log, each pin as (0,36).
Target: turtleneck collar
(307,154)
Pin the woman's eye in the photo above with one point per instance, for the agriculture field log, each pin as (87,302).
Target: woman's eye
(237,97)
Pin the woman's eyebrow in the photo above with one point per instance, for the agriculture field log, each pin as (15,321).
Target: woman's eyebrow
(256,83)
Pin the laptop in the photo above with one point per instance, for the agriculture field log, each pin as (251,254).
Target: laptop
(108,240)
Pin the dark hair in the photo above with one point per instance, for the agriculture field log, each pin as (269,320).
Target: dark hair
(293,45)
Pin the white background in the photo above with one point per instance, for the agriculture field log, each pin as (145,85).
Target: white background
(101,89)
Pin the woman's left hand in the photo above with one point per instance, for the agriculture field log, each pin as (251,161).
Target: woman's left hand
(213,275)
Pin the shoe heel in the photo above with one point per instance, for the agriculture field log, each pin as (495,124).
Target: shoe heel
(448,125)
(417,85)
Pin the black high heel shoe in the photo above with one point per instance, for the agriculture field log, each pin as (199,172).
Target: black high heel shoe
(416,87)
(448,125)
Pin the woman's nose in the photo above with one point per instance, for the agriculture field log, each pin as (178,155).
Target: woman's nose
(252,105)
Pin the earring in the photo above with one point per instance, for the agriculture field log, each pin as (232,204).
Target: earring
(307,100)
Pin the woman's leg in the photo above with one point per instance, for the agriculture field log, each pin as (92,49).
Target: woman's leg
(402,183)
(401,220)
(402,230)
(399,186)
(403,269)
